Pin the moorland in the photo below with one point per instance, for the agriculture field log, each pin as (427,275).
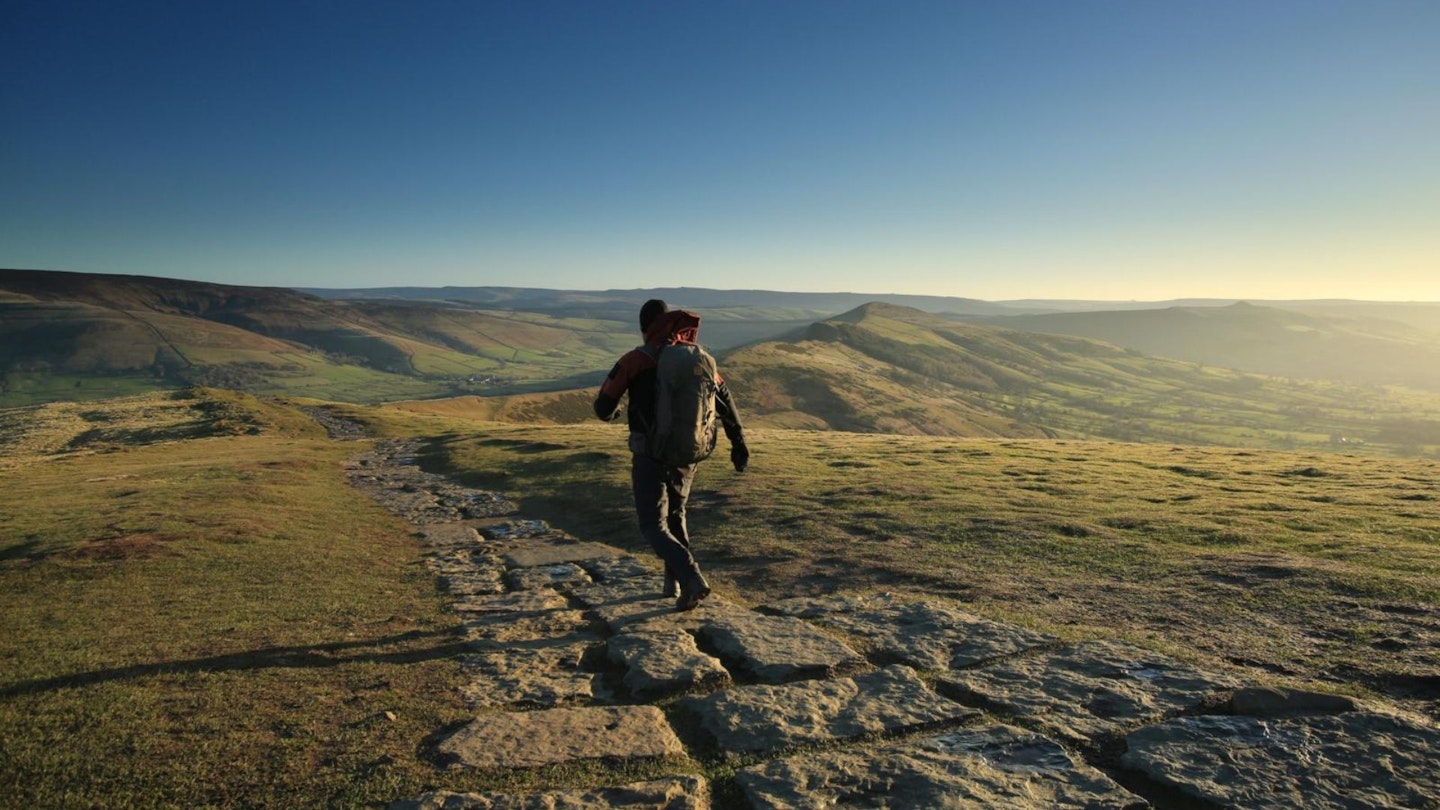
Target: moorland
(197,609)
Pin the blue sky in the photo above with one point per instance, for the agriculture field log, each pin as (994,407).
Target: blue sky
(1121,150)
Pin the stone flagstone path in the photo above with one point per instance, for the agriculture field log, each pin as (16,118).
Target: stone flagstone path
(848,700)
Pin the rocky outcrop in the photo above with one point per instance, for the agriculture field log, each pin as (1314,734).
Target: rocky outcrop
(1352,760)
(996,766)
(1087,690)
(765,718)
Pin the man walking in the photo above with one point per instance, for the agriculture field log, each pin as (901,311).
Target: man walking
(661,483)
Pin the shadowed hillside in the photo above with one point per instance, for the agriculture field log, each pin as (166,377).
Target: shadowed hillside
(1366,349)
(75,335)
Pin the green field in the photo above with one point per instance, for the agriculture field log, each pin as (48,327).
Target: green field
(199,611)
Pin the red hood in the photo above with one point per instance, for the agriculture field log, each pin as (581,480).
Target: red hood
(675,326)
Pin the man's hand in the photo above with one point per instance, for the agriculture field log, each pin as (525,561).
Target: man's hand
(739,456)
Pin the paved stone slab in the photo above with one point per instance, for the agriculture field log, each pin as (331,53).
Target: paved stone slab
(765,718)
(546,676)
(554,736)
(925,634)
(1353,760)
(557,553)
(609,569)
(775,649)
(467,573)
(492,630)
(450,535)
(999,766)
(512,529)
(513,604)
(474,503)
(620,601)
(1087,689)
(676,793)
(548,576)
(664,660)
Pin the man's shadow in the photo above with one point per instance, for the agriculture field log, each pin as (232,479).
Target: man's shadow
(300,657)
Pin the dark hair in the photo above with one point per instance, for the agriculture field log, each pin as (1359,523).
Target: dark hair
(653,309)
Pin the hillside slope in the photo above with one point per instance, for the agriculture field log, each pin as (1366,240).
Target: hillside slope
(67,334)
(882,368)
(1262,339)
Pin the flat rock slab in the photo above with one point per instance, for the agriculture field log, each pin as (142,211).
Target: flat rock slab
(554,736)
(544,677)
(548,576)
(664,660)
(513,605)
(512,529)
(776,649)
(450,535)
(925,634)
(492,631)
(1087,689)
(677,793)
(765,718)
(609,569)
(547,554)
(1354,760)
(999,766)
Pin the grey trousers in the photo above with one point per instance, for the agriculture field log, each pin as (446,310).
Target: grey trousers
(660,495)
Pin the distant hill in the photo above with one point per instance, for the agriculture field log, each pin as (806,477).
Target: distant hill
(890,369)
(730,318)
(1365,349)
(886,369)
(66,335)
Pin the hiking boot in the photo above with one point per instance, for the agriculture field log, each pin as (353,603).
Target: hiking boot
(694,589)
(672,586)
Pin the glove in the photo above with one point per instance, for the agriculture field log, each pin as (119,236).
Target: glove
(739,456)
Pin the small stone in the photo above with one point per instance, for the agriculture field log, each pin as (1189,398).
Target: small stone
(775,649)
(1319,762)
(761,718)
(554,736)
(674,793)
(391,716)
(999,766)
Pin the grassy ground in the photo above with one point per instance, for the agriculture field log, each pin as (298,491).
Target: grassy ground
(196,610)
(1320,567)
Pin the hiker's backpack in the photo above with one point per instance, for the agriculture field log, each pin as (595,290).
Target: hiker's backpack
(686,422)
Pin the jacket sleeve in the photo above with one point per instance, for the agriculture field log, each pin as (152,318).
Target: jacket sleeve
(607,402)
(728,413)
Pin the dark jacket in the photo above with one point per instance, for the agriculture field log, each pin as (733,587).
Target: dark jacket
(635,374)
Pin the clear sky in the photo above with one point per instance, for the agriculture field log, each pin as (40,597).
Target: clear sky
(1075,148)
